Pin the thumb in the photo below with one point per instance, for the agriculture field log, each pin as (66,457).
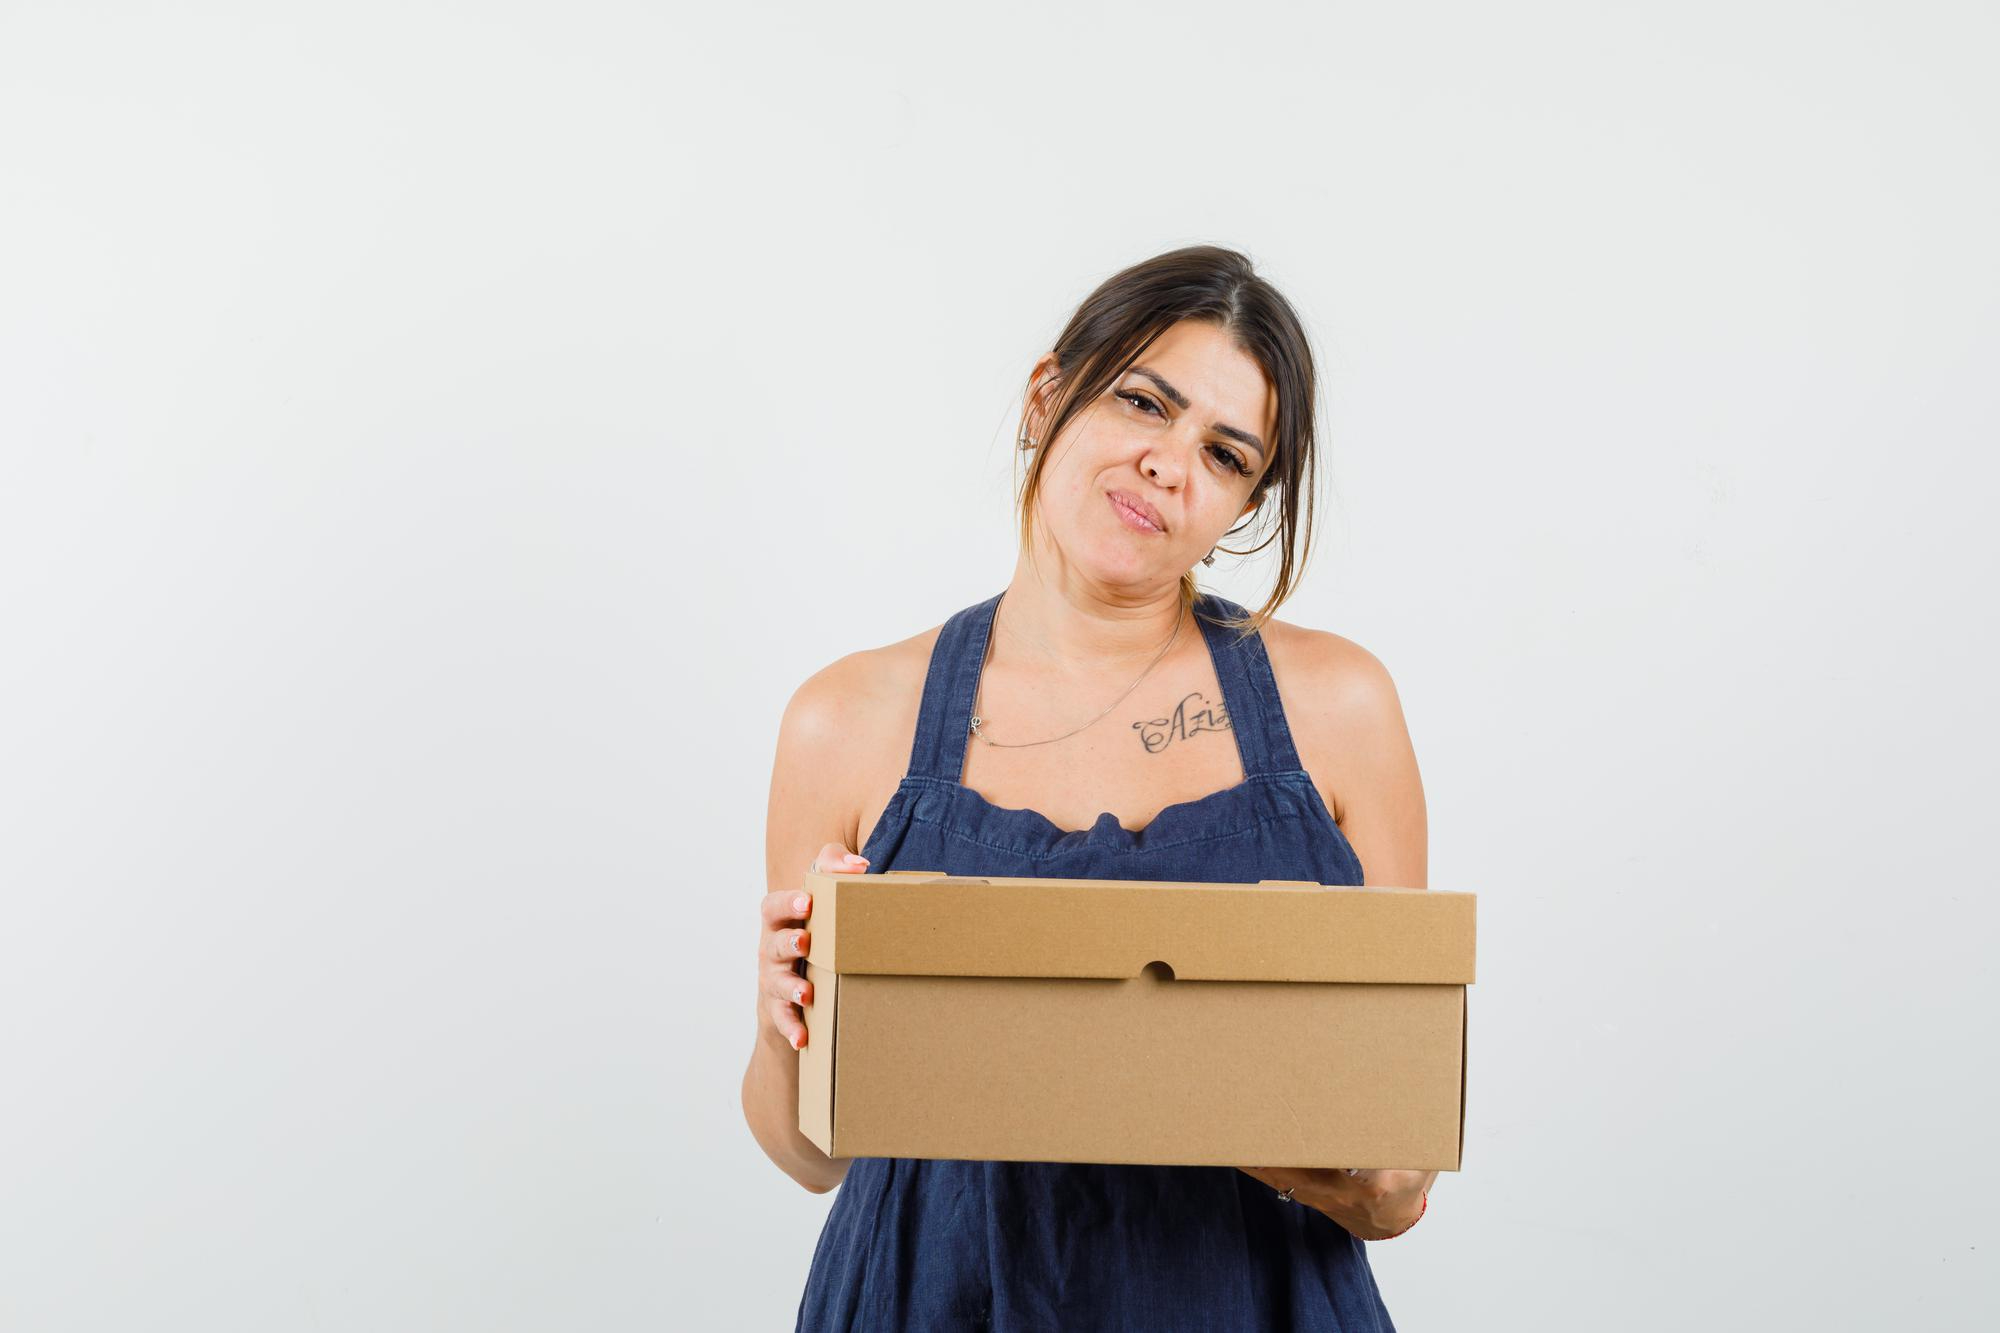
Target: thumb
(836,859)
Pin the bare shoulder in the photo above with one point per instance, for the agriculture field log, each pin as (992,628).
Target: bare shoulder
(849,725)
(1338,678)
(842,697)
(1346,718)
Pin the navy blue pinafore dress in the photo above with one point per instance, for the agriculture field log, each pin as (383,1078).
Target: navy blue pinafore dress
(936,1244)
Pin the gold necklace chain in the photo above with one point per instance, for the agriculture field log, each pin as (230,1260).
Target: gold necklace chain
(1022,745)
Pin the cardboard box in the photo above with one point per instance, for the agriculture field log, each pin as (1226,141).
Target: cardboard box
(1271,1024)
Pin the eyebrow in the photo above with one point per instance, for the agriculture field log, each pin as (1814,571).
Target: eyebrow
(1180,400)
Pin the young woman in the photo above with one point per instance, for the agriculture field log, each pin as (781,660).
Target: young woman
(1102,717)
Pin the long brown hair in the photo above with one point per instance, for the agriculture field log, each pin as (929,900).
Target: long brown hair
(1130,310)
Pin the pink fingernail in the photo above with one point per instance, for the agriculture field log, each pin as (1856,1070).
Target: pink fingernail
(800,903)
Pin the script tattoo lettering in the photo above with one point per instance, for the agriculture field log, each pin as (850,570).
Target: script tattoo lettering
(1159,732)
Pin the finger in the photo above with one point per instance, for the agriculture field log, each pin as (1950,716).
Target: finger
(786,907)
(787,945)
(785,1018)
(781,983)
(1372,1185)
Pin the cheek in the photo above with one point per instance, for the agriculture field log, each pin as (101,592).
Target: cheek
(1069,473)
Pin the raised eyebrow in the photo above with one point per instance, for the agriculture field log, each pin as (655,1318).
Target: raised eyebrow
(1180,400)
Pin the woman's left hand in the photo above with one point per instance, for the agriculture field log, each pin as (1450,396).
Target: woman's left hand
(1371,1204)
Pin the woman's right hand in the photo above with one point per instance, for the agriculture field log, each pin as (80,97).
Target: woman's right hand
(783,945)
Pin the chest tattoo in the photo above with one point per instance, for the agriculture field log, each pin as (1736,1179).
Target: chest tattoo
(1156,734)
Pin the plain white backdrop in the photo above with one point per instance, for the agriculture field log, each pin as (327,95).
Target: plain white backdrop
(435,440)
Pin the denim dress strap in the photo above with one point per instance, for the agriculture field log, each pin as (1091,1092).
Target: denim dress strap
(1249,690)
(944,717)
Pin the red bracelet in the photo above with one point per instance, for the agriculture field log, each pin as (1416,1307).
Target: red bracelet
(1422,1204)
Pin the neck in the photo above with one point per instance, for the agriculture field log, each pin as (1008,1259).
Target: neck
(1056,615)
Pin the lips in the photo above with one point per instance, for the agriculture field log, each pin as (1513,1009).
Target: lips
(1132,506)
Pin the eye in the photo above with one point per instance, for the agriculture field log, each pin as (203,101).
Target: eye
(1224,456)
(1231,460)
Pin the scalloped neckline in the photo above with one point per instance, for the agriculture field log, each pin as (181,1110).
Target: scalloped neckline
(1059,834)
(1099,823)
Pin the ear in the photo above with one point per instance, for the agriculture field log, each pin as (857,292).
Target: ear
(1041,383)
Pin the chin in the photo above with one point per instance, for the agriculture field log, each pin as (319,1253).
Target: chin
(1124,569)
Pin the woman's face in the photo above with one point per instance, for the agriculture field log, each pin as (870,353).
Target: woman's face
(1144,481)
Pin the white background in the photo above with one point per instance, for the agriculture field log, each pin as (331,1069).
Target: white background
(437,439)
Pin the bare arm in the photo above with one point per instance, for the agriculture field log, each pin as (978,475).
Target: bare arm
(1383,812)
(1384,819)
(808,818)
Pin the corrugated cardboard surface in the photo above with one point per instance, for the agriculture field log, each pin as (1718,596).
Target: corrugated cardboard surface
(1135,1021)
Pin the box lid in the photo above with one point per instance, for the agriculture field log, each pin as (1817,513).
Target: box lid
(921,924)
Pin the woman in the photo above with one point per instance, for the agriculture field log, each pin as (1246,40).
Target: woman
(1103,718)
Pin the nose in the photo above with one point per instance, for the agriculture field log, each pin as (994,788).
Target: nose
(1163,463)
